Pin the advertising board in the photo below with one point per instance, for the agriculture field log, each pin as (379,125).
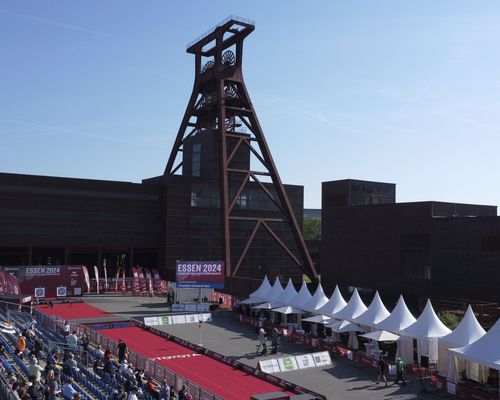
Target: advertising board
(200,274)
(48,278)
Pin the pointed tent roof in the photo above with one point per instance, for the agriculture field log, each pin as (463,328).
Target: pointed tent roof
(485,350)
(275,291)
(264,288)
(288,294)
(428,325)
(399,319)
(354,308)
(302,297)
(375,313)
(288,310)
(317,301)
(335,304)
(467,331)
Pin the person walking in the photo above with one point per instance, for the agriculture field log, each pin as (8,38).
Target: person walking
(381,370)
(400,369)
(122,351)
(262,340)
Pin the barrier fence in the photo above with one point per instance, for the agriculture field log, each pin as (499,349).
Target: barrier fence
(158,372)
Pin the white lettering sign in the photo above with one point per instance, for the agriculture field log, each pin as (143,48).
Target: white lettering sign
(269,366)
(322,358)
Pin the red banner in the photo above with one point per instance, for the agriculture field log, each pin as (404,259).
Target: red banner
(8,284)
(96,272)
(87,277)
(48,278)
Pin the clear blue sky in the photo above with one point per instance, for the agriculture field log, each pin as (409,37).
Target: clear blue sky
(399,91)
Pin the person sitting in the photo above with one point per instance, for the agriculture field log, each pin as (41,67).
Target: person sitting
(123,365)
(97,367)
(36,391)
(68,391)
(99,353)
(35,370)
(70,365)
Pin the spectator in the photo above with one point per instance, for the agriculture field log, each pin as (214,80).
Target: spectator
(20,346)
(35,370)
(52,358)
(37,348)
(70,365)
(107,355)
(122,350)
(66,328)
(183,393)
(97,367)
(99,353)
(164,391)
(54,387)
(118,395)
(133,395)
(123,366)
(68,391)
(72,340)
(151,389)
(36,391)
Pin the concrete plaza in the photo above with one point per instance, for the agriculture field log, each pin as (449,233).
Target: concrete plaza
(343,380)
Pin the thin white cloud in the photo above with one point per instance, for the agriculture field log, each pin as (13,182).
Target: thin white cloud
(62,25)
(469,121)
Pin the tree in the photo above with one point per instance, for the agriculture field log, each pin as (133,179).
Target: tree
(449,319)
(312,228)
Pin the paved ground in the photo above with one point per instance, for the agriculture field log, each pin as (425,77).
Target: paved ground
(343,380)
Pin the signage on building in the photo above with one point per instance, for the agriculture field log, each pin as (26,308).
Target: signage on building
(200,274)
(56,280)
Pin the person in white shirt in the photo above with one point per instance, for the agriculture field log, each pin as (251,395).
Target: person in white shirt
(123,366)
(72,340)
(133,394)
(99,353)
(35,370)
(66,328)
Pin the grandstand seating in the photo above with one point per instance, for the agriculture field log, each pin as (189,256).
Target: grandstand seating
(90,385)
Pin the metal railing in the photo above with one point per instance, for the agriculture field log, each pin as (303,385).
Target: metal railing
(158,372)
(213,29)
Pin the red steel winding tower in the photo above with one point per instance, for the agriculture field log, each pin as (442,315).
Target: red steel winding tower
(221,106)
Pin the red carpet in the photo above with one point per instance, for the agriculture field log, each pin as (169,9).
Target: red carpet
(74,311)
(212,375)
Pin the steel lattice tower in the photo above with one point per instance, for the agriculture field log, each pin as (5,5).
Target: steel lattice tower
(220,103)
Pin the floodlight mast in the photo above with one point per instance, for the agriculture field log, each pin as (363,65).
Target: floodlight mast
(220,95)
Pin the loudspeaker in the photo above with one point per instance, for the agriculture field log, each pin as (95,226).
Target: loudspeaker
(424,361)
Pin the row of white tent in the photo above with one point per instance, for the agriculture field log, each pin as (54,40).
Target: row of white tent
(467,347)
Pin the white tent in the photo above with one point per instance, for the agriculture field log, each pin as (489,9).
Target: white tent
(467,332)
(354,308)
(375,313)
(257,296)
(335,304)
(485,351)
(288,294)
(275,291)
(427,329)
(400,319)
(319,319)
(287,310)
(381,336)
(302,297)
(317,301)
(344,326)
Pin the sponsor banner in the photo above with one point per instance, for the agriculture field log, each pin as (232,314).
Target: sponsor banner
(200,274)
(178,319)
(151,321)
(203,307)
(49,277)
(305,361)
(205,317)
(287,364)
(191,318)
(165,320)
(177,307)
(269,366)
(87,277)
(189,307)
(322,358)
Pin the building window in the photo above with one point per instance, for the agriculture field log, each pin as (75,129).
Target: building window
(242,201)
(196,159)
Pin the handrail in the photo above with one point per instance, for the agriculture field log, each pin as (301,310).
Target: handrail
(153,369)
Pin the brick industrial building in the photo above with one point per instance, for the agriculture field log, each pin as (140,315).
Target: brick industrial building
(420,249)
